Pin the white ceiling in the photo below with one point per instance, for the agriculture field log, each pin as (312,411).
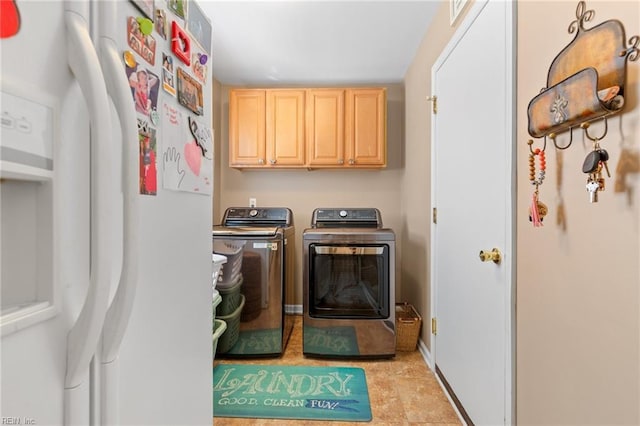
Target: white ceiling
(315,42)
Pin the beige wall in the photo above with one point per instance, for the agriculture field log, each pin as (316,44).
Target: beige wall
(303,191)
(577,288)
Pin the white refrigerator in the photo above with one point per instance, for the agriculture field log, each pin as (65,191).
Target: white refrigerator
(106,213)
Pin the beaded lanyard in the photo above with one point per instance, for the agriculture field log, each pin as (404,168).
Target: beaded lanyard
(538,209)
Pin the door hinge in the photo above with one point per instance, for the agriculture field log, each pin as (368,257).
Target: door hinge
(434,215)
(434,103)
(434,326)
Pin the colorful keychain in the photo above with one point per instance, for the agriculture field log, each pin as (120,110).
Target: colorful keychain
(538,209)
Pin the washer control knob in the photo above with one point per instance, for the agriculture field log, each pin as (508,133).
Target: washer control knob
(343,213)
(253,212)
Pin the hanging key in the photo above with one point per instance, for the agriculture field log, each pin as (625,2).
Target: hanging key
(592,189)
(604,157)
(591,162)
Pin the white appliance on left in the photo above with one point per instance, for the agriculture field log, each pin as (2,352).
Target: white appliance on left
(105,274)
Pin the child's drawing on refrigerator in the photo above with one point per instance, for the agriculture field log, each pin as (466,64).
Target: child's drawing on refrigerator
(187,163)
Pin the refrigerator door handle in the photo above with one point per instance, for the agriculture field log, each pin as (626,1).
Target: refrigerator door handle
(120,310)
(117,320)
(84,336)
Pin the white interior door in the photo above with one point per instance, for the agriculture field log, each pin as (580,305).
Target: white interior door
(473,194)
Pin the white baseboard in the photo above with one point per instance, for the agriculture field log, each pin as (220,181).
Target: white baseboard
(426,354)
(428,359)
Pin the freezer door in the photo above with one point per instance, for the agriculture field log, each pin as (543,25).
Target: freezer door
(53,223)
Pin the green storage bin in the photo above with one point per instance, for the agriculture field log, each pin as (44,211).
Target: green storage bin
(230,337)
(216,301)
(219,327)
(230,298)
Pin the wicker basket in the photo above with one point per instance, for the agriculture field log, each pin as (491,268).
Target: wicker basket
(408,323)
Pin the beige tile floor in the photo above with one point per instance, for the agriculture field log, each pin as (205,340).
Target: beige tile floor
(402,391)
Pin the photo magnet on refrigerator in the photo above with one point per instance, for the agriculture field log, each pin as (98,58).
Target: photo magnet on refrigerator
(143,45)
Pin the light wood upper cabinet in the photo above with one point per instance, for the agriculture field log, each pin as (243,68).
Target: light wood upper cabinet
(365,128)
(325,127)
(285,127)
(313,128)
(247,116)
(266,128)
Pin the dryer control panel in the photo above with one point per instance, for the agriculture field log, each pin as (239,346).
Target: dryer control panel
(348,217)
(254,216)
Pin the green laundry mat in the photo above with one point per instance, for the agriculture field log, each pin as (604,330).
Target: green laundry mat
(290,392)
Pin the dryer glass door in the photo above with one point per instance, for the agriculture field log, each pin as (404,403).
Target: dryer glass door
(349,281)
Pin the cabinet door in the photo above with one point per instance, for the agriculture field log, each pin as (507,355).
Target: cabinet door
(325,127)
(247,128)
(285,127)
(366,127)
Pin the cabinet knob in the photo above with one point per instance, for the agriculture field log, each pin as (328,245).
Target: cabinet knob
(260,161)
(341,161)
(352,161)
(272,161)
